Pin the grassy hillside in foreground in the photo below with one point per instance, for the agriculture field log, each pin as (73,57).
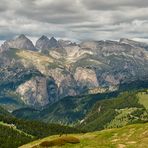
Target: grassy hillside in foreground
(132,136)
(15,132)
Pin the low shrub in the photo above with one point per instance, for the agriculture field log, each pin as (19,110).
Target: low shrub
(60,141)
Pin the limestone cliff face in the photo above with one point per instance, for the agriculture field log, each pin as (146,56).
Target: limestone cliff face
(34,92)
(52,90)
(38,91)
(86,78)
(67,85)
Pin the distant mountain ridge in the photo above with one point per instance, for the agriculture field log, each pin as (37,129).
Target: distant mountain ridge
(53,69)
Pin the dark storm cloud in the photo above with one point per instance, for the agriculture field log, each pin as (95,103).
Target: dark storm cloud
(74,19)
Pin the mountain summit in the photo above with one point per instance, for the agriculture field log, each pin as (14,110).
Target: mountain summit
(54,43)
(43,43)
(21,42)
(22,36)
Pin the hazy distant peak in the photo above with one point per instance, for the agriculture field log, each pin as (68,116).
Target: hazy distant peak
(125,40)
(43,37)
(53,39)
(22,36)
(134,43)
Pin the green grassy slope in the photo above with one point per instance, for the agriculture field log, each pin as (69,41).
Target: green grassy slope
(125,109)
(132,136)
(143,98)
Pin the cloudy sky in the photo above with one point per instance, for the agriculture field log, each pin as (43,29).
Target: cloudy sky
(74,19)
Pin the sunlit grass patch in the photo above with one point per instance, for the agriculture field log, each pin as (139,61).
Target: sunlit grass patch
(143,99)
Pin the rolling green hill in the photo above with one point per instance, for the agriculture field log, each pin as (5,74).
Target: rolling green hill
(127,108)
(132,136)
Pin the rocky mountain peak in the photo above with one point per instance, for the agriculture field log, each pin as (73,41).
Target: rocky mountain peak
(125,40)
(22,36)
(42,43)
(21,42)
(53,39)
(43,37)
(54,43)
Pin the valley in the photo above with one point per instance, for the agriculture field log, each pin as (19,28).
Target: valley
(87,93)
